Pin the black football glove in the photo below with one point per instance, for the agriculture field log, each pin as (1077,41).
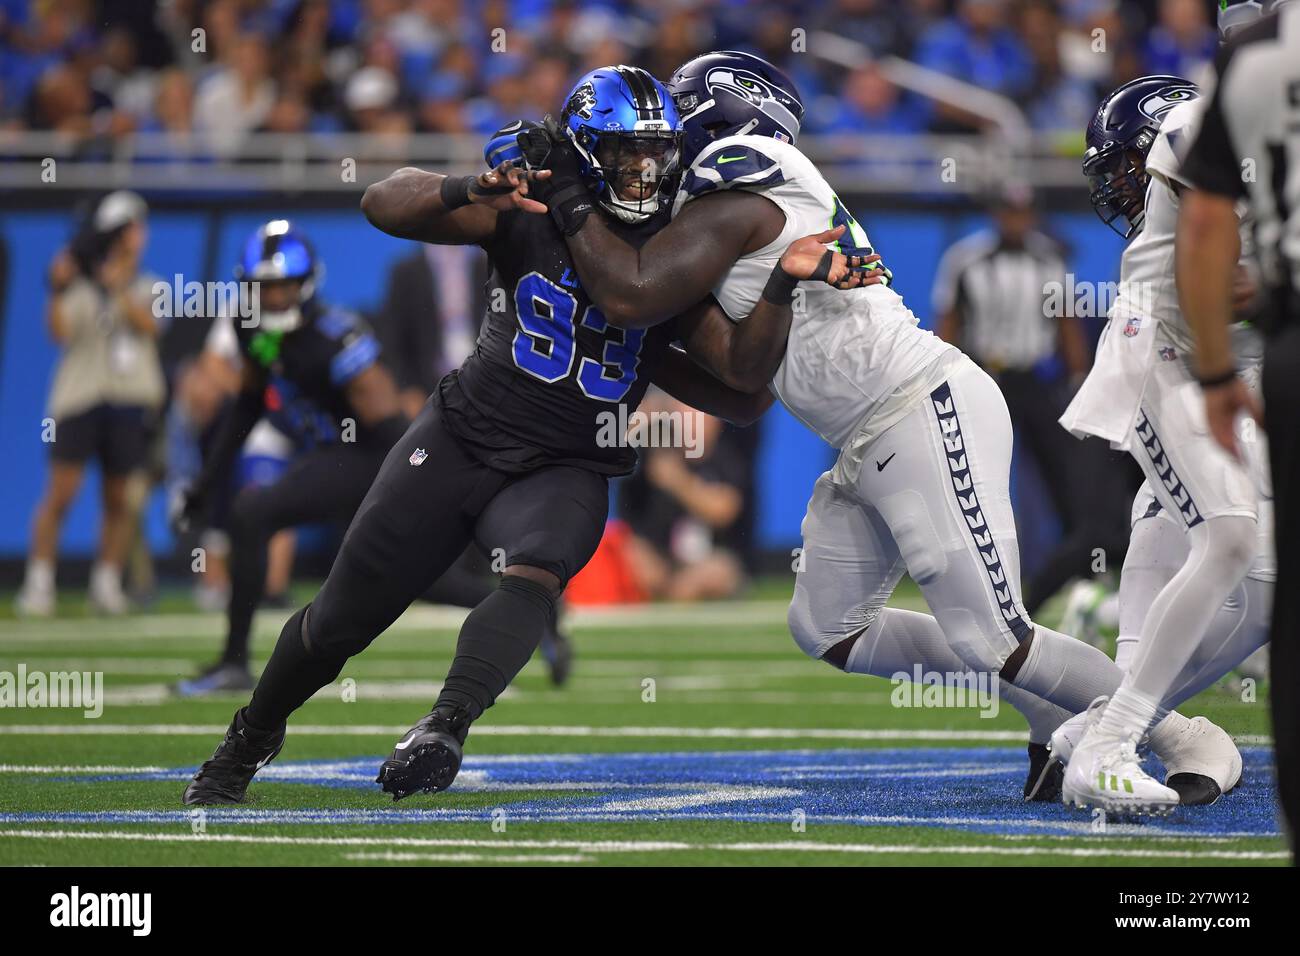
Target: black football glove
(185,509)
(564,192)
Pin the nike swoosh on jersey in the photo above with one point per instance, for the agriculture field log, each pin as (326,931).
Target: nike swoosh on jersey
(731,159)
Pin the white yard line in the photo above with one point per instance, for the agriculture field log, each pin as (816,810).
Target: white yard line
(525,730)
(647,846)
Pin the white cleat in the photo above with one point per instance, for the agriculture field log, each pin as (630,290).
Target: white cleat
(1201,762)
(1067,736)
(1105,774)
(35,602)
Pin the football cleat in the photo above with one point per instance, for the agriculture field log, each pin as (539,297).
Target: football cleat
(1105,773)
(35,601)
(220,678)
(224,777)
(1202,763)
(428,758)
(557,651)
(1043,785)
(1067,736)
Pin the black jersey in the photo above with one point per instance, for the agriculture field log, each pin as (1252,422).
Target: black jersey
(307,371)
(549,374)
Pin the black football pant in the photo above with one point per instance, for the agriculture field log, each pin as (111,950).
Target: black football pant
(422,511)
(1091,488)
(1281,388)
(325,485)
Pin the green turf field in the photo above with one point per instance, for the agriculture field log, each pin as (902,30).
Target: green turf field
(688,735)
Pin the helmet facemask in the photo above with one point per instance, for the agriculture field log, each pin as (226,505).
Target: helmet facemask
(1119,181)
(635,172)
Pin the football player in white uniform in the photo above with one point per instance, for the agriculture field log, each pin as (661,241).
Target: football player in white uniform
(1197,583)
(921,483)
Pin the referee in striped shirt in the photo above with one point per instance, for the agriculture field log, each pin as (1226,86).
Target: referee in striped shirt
(1248,148)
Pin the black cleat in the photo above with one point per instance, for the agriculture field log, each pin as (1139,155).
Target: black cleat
(557,651)
(1194,789)
(223,677)
(428,758)
(225,775)
(1046,774)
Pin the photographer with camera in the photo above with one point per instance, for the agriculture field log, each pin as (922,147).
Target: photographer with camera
(107,388)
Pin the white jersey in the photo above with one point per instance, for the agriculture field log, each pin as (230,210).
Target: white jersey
(855,360)
(1145,319)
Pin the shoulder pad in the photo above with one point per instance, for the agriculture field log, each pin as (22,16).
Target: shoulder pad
(337,323)
(738,162)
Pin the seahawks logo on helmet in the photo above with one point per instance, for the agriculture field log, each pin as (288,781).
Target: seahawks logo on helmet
(1158,104)
(754,90)
(582,102)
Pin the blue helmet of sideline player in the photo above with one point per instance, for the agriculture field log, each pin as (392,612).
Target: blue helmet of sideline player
(734,94)
(628,135)
(279,257)
(1118,140)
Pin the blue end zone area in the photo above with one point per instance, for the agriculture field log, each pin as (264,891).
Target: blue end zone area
(976,790)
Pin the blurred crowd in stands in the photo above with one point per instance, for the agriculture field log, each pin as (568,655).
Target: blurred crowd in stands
(208,72)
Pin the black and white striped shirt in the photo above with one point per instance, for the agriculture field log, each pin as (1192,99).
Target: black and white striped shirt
(999,293)
(1249,143)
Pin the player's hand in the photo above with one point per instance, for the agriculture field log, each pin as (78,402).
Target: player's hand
(185,507)
(506,187)
(1223,405)
(63,269)
(808,258)
(546,147)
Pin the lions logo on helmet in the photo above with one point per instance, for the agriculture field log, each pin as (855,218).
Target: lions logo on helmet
(582,101)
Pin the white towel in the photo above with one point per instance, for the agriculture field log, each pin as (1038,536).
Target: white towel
(1107,403)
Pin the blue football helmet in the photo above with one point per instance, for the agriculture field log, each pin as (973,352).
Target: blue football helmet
(276,252)
(734,94)
(628,136)
(1119,138)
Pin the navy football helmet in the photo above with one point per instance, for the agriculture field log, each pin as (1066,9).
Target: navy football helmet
(1119,138)
(734,94)
(276,252)
(628,135)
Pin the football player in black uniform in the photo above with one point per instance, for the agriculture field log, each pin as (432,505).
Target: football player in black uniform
(517,442)
(313,370)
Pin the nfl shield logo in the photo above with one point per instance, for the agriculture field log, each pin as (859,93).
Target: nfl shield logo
(1132,325)
(418,456)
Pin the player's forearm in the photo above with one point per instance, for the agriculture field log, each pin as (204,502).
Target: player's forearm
(409,205)
(237,421)
(756,346)
(1206,251)
(611,272)
(691,385)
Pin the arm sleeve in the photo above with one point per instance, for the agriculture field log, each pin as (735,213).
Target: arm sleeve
(1212,163)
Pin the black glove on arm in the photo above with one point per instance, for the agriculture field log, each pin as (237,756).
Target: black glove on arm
(564,192)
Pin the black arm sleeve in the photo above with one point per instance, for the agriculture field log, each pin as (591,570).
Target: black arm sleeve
(236,423)
(1212,163)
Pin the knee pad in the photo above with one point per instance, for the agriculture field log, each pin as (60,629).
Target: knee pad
(978,651)
(816,639)
(532,591)
(1229,545)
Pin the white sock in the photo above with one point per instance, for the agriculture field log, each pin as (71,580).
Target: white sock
(1130,712)
(1176,624)
(105,576)
(40,575)
(1042,716)
(1126,645)
(1065,671)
